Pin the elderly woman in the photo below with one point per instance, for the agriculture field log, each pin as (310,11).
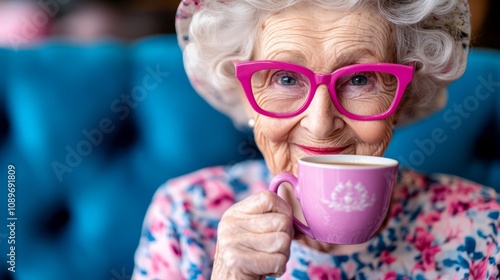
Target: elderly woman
(319,77)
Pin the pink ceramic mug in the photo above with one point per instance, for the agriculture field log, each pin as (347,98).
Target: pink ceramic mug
(344,198)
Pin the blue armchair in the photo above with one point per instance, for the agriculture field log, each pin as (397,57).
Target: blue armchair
(93,131)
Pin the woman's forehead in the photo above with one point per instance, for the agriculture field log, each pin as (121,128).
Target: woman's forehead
(306,32)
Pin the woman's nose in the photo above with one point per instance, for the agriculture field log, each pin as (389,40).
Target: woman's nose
(321,118)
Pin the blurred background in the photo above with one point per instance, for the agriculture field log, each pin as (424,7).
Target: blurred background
(95,114)
(88,20)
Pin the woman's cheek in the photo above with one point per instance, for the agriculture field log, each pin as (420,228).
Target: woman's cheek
(268,150)
(373,132)
(271,137)
(373,137)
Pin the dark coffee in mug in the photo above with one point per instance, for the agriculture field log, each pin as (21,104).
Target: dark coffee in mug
(353,163)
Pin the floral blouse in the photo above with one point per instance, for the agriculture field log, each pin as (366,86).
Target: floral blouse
(440,227)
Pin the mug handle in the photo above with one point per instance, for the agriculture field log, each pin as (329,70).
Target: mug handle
(291,179)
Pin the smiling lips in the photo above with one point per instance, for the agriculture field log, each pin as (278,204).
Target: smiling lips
(321,151)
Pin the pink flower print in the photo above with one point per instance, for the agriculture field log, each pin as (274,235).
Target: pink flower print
(490,205)
(421,240)
(216,171)
(258,186)
(186,205)
(479,269)
(157,226)
(161,267)
(430,218)
(393,276)
(428,261)
(222,201)
(158,264)
(401,193)
(350,268)
(196,177)
(209,233)
(456,206)
(175,249)
(219,197)
(385,257)
(395,209)
(440,193)
(324,273)
(453,228)
(467,188)
(390,276)
(421,181)
(164,204)
(490,250)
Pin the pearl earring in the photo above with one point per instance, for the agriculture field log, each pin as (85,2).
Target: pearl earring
(251,123)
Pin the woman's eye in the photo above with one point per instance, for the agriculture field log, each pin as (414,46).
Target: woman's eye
(359,80)
(287,78)
(287,81)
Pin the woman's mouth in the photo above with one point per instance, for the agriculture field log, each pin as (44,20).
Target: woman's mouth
(321,150)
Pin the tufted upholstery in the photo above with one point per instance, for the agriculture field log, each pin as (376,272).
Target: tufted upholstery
(89,158)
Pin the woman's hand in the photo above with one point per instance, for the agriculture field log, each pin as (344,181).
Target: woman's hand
(254,238)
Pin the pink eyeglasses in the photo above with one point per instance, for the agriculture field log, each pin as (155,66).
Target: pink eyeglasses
(360,92)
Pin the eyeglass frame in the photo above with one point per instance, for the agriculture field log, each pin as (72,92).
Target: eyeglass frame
(245,70)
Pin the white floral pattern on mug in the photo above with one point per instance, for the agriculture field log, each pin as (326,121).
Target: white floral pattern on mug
(349,197)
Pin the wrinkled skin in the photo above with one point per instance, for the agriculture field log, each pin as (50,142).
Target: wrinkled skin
(254,236)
